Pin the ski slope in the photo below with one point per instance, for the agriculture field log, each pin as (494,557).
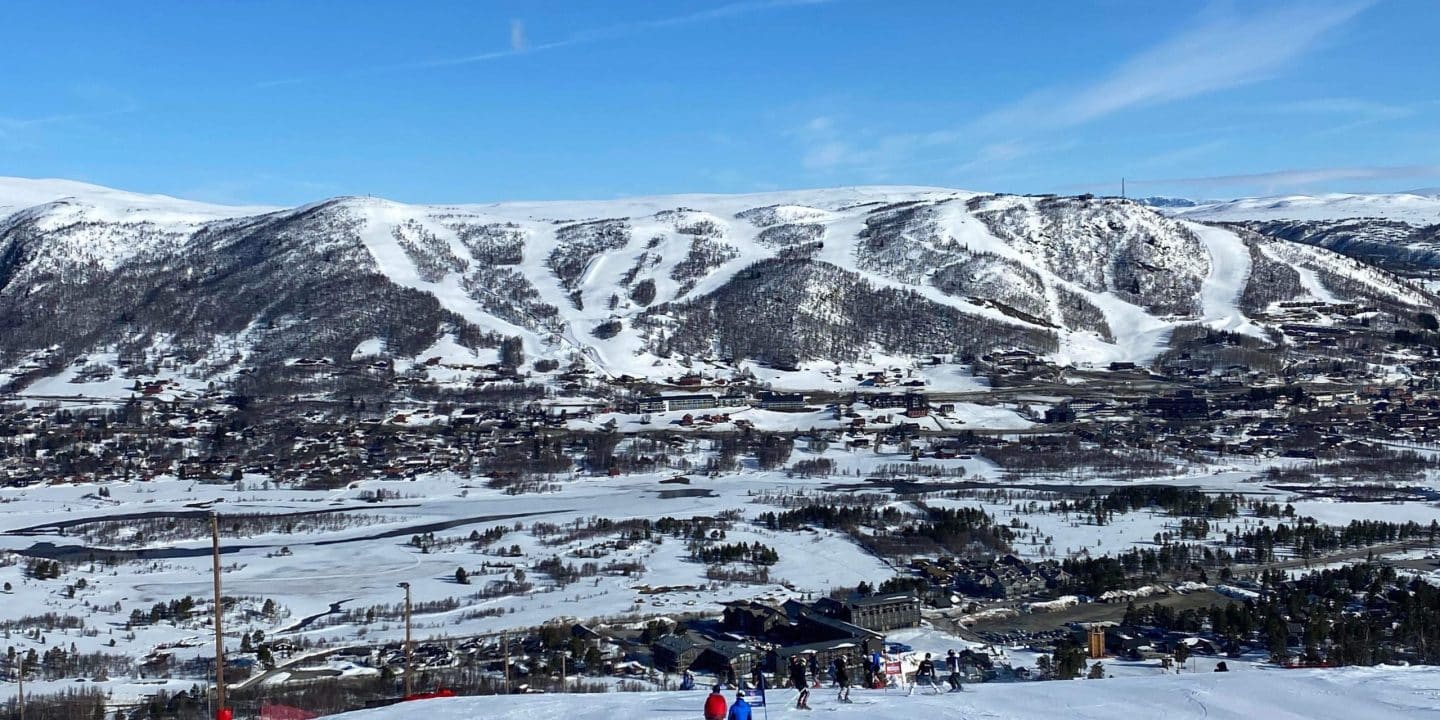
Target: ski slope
(1344,694)
(1229,272)
(1096,280)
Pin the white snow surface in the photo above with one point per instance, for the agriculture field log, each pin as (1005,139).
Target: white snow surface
(19,193)
(1229,272)
(1406,207)
(692,245)
(1347,694)
(1309,261)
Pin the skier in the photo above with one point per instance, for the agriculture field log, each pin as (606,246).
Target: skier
(715,705)
(877,670)
(797,681)
(842,678)
(952,663)
(925,672)
(741,709)
(687,681)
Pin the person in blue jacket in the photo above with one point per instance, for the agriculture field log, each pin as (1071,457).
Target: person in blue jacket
(740,709)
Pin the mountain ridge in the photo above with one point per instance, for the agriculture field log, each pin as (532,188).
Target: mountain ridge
(1405,207)
(638,286)
(1397,231)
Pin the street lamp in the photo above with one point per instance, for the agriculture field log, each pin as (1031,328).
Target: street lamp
(20,678)
(221,712)
(409,649)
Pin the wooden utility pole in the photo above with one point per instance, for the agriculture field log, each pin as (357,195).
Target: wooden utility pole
(505,641)
(564,683)
(20,678)
(409,648)
(219,610)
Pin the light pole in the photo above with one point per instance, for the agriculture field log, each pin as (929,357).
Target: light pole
(409,649)
(20,678)
(221,712)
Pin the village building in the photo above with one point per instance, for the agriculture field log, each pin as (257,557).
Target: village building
(675,403)
(781,401)
(878,613)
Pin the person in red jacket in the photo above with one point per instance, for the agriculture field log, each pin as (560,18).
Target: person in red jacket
(715,705)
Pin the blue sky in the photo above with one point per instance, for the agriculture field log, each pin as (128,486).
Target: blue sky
(287,102)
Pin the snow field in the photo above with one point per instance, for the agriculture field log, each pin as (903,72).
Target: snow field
(1346,694)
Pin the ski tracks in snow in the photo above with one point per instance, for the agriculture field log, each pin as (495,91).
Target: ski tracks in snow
(1229,273)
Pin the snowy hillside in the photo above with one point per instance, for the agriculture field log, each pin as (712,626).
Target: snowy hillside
(1347,694)
(641,286)
(19,193)
(1399,232)
(1404,207)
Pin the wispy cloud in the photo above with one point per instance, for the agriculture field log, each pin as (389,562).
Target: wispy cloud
(517,36)
(822,146)
(1344,106)
(22,130)
(1220,53)
(1302,177)
(1349,113)
(828,146)
(20,123)
(999,153)
(1182,154)
(520,42)
(1220,50)
(717,13)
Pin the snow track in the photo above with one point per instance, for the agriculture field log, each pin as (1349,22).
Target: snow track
(1229,272)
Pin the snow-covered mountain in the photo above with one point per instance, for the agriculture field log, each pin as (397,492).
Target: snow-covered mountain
(1398,231)
(1402,207)
(1160,201)
(634,286)
(20,193)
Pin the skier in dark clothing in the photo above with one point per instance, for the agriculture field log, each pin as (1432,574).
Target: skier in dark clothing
(842,678)
(952,663)
(926,673)
(797,680)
